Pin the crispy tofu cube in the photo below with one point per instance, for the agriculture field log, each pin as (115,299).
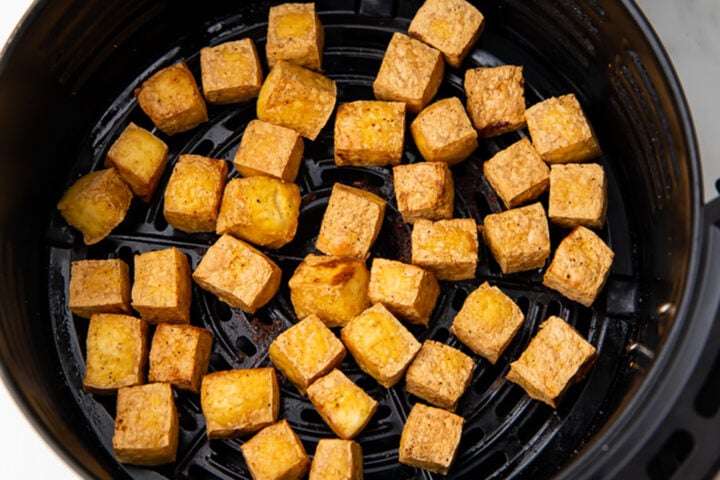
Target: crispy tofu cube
(230,72)
(519,239)
(333,288)
(238,402)
(380,344)
(140,158)
(295,34)
(297,98)
(408,291)
(96,203)
(193,193)
(517,174)
(306,351)
(162,286)
(351,222)
(443,133)
(180,355)
(578,195)
(495,99)
(261,210)
(410,72)
(337,459)
(276,453)
(172,99)
(560,131)
(238,274)
(369,132)
(580,266)
(146,425)
(116,353)
(99,286)
(430,438)
(267,149)
(556,358)
(487,322)
(447,248)
(424,190)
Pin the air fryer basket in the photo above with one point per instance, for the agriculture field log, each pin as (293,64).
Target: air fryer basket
(67,92)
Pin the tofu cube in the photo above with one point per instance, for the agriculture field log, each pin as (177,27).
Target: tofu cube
(238,274)
(193,193)
(337,459)
(140,158)
(162,286)
(230,72)
(578,195)
(519,239)
(116,353)
(333,288)
(580,266)
(96,203)
(447,248)
(408,291)
(99,286)
(267,149)
(410,72)
(260,210)
(180,355)
(295,34)
(380,344)
(442,132)
(276,453)
(487,322)
(306,351)
(344,406)
(369,132)
(556,358)
(146,425)
(430,438)
(239,402)
(172,99)
(424,190)
(295,97)
(560,131)
(495,99)
(517,174)
(351,222)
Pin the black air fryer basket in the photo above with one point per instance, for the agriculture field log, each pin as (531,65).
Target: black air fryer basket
(649,407)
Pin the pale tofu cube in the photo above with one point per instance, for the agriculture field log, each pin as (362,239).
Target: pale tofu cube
(430,438)
(337,459)
(267,149)
(295,34)
(99,286)
(495,99)
(276,453)
(424,190)
(230,72)
(578,195)
(447,248)
(180,355)
(556,358)
(442,132)
(162,286)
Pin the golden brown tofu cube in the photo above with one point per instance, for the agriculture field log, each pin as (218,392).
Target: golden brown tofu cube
(276,453)
(337,459)
(180,355)
(146,425)
(238,402)
(443,133)
(560,131)
(580,266)
(578,195)
(519,239)
(140,158)
(99,286)
(295,97)
(487,322)
(295,34)
(96,203)
(116,352)
(193,193)
(267,149)
(230,72)
(369,132)
(238,274)
(517,174)
(380,344)
(172,99)
(408,291)
(495,99)
(306,351)
(447,248)
(351,222)
(424,190)
(430,438)
(162,286)
(556,358)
